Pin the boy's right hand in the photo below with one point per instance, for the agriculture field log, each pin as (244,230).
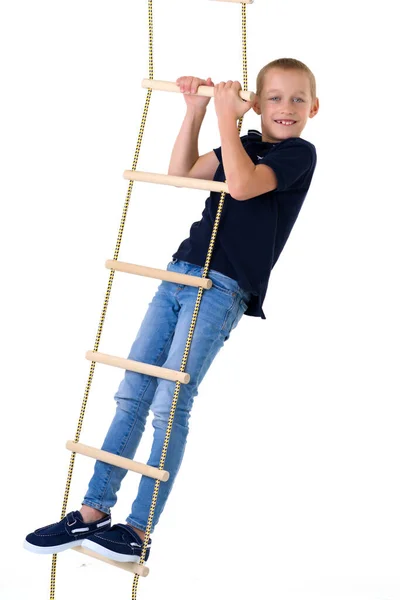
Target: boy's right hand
(189,86)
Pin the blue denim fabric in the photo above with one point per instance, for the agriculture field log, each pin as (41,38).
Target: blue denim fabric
(161,341)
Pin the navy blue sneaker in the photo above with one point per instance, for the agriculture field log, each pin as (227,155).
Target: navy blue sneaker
(67,533)
(120,543)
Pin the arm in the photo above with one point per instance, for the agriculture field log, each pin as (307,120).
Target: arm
(245,179)
(185,152)
(185,160)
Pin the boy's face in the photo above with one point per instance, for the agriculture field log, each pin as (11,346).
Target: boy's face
(286,95)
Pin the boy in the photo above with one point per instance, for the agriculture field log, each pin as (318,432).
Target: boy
(268,176)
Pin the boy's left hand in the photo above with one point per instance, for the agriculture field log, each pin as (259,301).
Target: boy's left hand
(228,104)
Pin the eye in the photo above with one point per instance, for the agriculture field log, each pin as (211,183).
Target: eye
(274,98)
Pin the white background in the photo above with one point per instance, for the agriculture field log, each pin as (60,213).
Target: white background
(290,484)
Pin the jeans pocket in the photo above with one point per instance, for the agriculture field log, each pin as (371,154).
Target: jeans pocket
(223,283)
(240,312)
(221,288)
(236,312)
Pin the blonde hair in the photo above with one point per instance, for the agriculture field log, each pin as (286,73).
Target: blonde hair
(287,64)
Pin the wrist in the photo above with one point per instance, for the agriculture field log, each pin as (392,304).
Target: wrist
(196,111)
(227,122)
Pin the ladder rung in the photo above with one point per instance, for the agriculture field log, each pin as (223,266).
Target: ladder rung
(117,461)
(202,90)
(138,367)
(187,182)
(132,567)
(159,274)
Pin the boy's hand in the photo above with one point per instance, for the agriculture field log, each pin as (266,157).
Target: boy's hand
(228,103)
(189,86)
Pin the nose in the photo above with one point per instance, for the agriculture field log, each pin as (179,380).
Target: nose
(287,111)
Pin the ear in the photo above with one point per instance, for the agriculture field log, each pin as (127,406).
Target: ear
(256,105)
(314,109)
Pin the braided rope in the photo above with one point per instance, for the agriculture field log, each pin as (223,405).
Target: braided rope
(107,296)
(190,335)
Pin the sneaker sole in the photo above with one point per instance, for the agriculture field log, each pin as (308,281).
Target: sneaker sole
(109,553)
(51,549)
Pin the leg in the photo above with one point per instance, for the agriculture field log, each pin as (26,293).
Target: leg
(220,310)
(134,397)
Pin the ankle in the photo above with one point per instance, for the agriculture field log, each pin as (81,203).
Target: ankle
(140,533)
(90,514)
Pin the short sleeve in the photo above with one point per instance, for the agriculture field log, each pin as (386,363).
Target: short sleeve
(290,161)
(218,153)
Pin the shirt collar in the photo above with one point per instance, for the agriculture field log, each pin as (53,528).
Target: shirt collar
(255,136)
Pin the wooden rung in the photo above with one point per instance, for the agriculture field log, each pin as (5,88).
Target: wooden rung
(138,367)
(117,461)
(187,182)
(159,274)
(132,567)
(202,90)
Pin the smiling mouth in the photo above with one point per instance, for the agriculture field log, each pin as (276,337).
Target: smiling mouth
(285,122)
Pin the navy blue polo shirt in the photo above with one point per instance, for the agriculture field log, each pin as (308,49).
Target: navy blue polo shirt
(252,233)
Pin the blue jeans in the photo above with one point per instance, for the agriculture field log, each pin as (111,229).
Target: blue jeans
(161,341)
